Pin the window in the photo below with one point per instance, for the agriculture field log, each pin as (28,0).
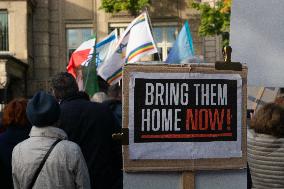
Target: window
(164,37)
(75,37)
(4,31)
(119,26)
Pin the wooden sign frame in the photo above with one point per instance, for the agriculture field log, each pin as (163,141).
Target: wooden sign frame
(187,164)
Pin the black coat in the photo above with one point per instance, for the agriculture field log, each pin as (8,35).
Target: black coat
(116,108)
(91,125)
(8,140)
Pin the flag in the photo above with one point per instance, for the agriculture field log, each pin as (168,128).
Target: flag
(90,80)
(103,48)
(80,56)
(87,58)
(183,46)
(99,53)
(136,42)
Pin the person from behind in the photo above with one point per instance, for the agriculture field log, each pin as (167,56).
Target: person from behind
(47,159)
(266,147)
(90,125)
(115,105)
(114,102)
(17,129)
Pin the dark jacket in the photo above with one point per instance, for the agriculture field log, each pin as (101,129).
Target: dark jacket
(116,108)
(91,125)
(8,140)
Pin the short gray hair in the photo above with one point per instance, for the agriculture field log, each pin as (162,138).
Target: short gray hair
(99,97)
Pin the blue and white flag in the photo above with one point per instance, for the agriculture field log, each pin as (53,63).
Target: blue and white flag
(136,42)
(183,47)
(104,48)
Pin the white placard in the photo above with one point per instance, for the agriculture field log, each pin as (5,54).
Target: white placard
(184,150)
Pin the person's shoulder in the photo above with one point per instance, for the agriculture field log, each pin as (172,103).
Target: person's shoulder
(68,146)
(99,106)
(262,138)
(68,102)
(112,102)
(22,146)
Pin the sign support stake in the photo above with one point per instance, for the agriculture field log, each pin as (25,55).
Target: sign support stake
(188,180)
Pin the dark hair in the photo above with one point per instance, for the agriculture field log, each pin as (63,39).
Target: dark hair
(84,95)
(64,85)
(279,100)
(114,91)
(269,119)
(15,113)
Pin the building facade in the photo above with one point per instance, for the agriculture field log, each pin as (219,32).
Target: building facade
(37,37)
(13,49)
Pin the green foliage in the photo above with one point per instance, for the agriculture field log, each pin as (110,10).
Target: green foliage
(133,6)
(215,20)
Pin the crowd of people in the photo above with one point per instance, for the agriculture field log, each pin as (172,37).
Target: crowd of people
(64,140)
(61,140)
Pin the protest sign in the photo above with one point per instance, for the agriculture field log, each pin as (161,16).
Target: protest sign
(177,110)
(186,117)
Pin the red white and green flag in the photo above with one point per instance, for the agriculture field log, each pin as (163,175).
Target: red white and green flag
(81,56)
(87,58)
(79,66)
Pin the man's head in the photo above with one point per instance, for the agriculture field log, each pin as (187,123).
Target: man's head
(114,92)
(269,119)
(64,85)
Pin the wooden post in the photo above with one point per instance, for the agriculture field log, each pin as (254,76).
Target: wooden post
(188,180)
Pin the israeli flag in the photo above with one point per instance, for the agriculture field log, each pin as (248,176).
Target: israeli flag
(104,48)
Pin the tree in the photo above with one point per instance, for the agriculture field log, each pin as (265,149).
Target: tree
(215,20)
(133,6)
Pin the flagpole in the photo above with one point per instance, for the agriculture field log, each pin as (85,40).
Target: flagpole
(94,53)
(90,63)
(151,28)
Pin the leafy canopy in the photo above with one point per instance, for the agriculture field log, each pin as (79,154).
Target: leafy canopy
(133,6)
(215,20)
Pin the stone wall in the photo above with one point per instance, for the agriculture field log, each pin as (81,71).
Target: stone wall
(17,26)
(50,18)
(14,62)
(48,44)
(40,67)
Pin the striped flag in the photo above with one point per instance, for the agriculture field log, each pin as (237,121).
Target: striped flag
(104,47)
(136,42)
